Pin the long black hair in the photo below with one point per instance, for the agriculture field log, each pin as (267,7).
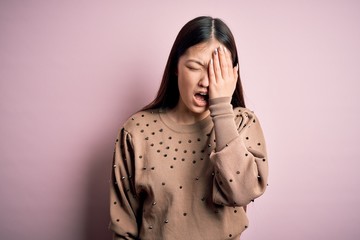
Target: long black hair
(198,30)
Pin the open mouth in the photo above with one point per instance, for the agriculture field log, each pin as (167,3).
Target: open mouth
(202,96)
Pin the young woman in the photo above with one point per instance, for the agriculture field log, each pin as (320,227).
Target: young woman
(187,165)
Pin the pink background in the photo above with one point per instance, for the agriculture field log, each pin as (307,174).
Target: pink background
(72,71)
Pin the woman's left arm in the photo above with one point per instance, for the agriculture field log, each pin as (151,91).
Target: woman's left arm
(240,159)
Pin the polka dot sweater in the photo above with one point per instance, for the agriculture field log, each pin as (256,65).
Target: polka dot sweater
(172,181)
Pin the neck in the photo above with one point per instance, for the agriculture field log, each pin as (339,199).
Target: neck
(184,116)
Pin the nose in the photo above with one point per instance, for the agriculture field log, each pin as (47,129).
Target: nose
(204,81)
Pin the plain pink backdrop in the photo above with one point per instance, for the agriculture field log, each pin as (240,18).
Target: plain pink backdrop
(71,72)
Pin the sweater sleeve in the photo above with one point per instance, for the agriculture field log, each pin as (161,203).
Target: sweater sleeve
(123,200)
(240,160)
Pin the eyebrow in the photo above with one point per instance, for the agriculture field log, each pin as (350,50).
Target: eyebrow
(196,61)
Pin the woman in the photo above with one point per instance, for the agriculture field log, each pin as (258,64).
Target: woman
(187,165)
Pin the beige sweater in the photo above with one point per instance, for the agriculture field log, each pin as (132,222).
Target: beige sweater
(193,182)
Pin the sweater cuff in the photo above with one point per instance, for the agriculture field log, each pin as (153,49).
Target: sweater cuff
(223,117)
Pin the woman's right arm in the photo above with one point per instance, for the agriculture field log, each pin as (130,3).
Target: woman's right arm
(123,200)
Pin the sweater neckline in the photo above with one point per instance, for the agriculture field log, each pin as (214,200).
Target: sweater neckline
(185,128)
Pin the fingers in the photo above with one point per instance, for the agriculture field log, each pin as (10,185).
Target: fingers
(223,55)
(216,65)
(223,67)
(229,62)
(212,77)
(222,75)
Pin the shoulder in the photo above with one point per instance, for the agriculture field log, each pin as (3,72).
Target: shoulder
(142,120)
(244,116)
(244,112)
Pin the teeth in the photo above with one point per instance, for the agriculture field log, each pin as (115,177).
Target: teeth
(203,94)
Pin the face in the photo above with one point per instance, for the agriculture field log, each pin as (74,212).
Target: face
(193,79)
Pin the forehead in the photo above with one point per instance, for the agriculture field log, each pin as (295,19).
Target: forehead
(202,50)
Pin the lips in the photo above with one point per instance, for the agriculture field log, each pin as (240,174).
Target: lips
(201,98)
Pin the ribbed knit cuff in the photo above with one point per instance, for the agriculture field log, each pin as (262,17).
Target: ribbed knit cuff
(223,117)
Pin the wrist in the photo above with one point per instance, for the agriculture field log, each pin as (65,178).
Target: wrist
(220,106)
(217,100)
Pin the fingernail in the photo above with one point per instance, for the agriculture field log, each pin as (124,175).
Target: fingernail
(216,51)
(225,49)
